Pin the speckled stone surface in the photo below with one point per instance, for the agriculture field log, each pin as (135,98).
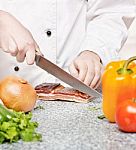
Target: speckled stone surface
(73,126)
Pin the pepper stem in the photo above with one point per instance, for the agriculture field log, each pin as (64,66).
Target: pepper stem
(128,62)
(124,69)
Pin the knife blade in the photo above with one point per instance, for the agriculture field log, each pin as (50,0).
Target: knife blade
(59,73)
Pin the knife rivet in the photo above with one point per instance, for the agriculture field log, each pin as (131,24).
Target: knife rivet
(16,68)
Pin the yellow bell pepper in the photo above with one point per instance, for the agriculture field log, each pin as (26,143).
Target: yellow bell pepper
(118,84)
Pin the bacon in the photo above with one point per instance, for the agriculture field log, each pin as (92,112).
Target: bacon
(55,91)
(47,87)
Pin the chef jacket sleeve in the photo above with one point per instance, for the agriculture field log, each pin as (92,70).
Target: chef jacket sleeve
(108,22)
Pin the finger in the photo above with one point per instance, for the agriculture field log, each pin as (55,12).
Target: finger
(21,55)
(97,76)
(5,44)
(13,49)
(100,79)
(37,49)
(82,67)
(73,70)
(102,70)
(30,54)
(90,75)
(97,84)
(5,48)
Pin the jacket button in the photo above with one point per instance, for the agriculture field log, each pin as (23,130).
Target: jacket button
(16,68)
(48,33)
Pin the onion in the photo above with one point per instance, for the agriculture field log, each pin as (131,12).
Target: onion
(17,94)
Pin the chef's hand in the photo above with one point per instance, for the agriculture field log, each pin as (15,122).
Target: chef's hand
(16,39)
(87,68)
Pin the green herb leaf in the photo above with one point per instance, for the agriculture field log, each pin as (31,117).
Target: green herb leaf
(39,107)
(101,117)
(93,108)
(18,126)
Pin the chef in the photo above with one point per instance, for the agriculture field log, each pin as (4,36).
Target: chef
(79,35)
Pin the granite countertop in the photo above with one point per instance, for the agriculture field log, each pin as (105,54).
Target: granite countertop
(74,126)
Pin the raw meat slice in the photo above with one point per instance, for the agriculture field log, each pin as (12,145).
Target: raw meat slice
(55,91)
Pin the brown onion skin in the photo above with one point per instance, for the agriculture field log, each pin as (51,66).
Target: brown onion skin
(17,94)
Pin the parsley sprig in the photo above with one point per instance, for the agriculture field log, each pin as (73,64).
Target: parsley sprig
(17,125)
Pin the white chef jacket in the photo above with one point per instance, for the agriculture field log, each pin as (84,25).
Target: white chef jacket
(75,25)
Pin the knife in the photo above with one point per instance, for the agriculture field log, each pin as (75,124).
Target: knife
(59,73)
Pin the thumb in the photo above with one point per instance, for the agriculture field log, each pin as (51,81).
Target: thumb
(37,50)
